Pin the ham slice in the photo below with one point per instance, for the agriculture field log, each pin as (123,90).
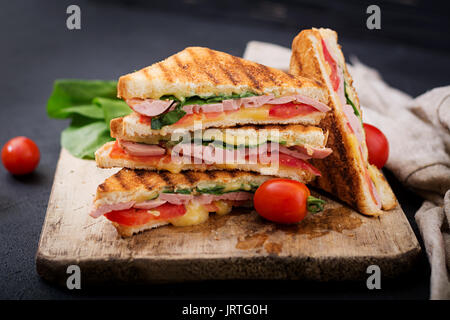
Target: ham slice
(210,154)
(176,198)
(173,198)
(354,122)
(149,204)
(141,149)
(149,107)
(314,152)
(97,212)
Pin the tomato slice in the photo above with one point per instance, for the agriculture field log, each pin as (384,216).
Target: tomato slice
(290,110)
(136,217)
(333,76)
(145,119)
(188,119)
(290,161)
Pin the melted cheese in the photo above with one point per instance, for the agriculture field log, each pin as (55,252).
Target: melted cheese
(373,173)
(223,207)
(195,214)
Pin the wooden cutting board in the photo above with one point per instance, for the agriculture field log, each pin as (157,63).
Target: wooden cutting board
(336,244)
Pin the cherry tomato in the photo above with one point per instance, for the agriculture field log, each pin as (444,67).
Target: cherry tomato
(20,155)
(136,217)
(377,145)
(282,200)
(290,110)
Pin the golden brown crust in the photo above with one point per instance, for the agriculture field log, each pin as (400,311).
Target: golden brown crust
(129,179)
(343,172)
(205,72)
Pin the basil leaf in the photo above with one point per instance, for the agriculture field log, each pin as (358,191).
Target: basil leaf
(168,118)
(84,136)
(183,191)
(179,191)
(89,111)
(70,93)
(112,109)
(217,190)
(355,110)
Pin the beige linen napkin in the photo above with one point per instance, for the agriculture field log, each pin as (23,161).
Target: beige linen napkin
(418,131)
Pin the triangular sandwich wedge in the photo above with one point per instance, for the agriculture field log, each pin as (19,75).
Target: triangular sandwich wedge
(139,200)
(346,173)
(218,89)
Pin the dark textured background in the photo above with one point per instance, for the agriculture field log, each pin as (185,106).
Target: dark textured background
(411,52)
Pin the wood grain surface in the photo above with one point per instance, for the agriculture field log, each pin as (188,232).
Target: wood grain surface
(336,244)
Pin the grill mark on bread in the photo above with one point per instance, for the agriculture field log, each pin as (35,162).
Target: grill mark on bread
(146,73)
(179,64)
(240,66)
(268,73)
(140,174)
(226,72)
(103,187)
(166,177)
(211,174)
(190,176)
(166,72)
(201,66)
(120,179)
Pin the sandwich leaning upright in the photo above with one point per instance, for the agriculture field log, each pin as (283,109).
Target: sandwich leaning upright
(232,98)
(346,173)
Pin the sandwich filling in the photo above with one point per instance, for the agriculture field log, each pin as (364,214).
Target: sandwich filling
(169,110)
(354,121)
(181,205)
(220,153)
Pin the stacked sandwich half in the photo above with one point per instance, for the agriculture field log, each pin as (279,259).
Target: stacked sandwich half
(207,129)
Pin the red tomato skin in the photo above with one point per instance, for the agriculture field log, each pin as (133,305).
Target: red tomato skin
(329,59)
(136,217)
(290,110)
(377,146)
(282,200)
(20,155)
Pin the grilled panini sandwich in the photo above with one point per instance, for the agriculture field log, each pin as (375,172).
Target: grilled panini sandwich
(273,149)
(346,173)
(221,90)
(138,200)
(217,94)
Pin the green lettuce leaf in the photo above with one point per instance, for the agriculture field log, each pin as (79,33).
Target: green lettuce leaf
(168,118)
(84,136)
(112,109)
(74,93)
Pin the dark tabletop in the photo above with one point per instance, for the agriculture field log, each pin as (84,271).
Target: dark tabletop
(120,37)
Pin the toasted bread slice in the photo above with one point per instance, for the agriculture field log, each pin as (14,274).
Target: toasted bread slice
(130,129)
(346,172)
(198,71)
(136,185)
(104,159)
